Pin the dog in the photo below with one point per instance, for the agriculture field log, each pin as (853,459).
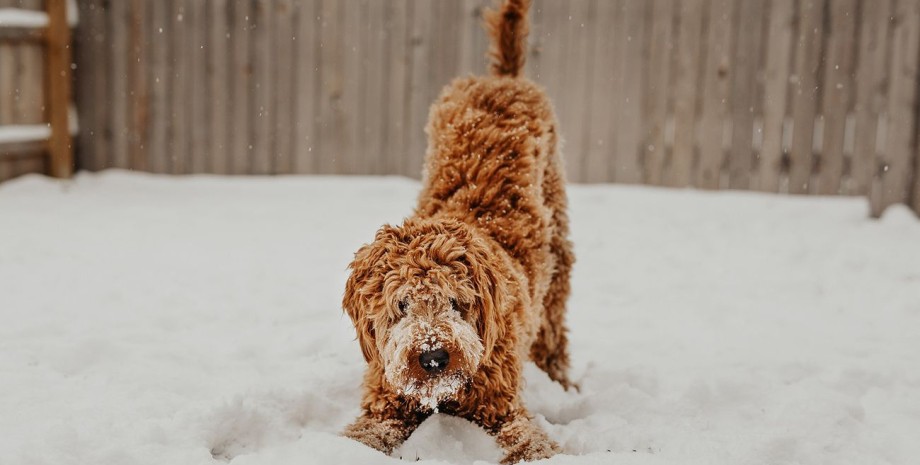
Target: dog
(449,305)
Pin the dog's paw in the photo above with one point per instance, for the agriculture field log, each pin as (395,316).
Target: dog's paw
(529,450)
(524,441)
(383,435)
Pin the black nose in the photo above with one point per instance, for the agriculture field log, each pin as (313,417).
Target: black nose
(435,361)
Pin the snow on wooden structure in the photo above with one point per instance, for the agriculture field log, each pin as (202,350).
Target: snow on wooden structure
(35,88)
(795,96)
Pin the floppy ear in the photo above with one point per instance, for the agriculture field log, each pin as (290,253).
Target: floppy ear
(357,300)
(491,295)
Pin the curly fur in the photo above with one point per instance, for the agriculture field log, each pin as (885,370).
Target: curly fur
(480,270)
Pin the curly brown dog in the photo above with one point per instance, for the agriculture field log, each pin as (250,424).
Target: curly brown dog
(449,305)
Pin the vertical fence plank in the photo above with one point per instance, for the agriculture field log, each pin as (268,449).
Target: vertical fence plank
(465,45)
(443,50)
(804,103)
(565,23)
(30,91)
(332,119)
(744,91)
(837,91)
(22,92)
(196,24)
(284,92)
(629,107)
(7,88)
(446,54)
(473,40)
(102,89)
(396,98)
(7,93)
(7,75)
(657,92)
(180,91)
(604,62)
(716,80)
(536,41)
(575,99)
(7,82)
(30,84)
(241,79)
(86,54)
(679,168)
(158,51)
(118,22)
(418,82)
(58,93)
(262,59)
(757,105)
(540,67)
(480,65)
(30,76)
(870,92)
(218,79)
(350,144)
(138,96)
(776,79)
(373,110)
(892,183)
(545,31)
(307,54)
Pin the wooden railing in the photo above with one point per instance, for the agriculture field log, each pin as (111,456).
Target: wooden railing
(35,89)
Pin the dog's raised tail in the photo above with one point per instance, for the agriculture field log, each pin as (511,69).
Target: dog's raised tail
(508,27)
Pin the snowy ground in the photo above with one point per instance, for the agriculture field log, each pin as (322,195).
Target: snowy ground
(152,320)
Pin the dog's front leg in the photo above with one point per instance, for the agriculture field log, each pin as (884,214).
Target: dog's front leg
(383,431)
(521,439)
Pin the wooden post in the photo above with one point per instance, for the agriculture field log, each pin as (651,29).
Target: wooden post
(58,62)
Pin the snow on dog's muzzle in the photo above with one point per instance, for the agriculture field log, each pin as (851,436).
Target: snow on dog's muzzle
(430,359)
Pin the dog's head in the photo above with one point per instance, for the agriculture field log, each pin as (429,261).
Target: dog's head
(424,298)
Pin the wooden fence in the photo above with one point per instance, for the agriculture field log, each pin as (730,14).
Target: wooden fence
(797,96)
(22,90)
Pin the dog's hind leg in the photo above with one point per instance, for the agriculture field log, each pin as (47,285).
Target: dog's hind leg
(550,350)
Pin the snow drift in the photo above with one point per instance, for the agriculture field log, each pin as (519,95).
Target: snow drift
(155,320)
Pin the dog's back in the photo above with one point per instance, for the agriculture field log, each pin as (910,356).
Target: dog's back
(490,141)
(492,162)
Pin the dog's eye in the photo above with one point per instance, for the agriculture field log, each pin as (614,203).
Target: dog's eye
(461,309)
(402,304)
